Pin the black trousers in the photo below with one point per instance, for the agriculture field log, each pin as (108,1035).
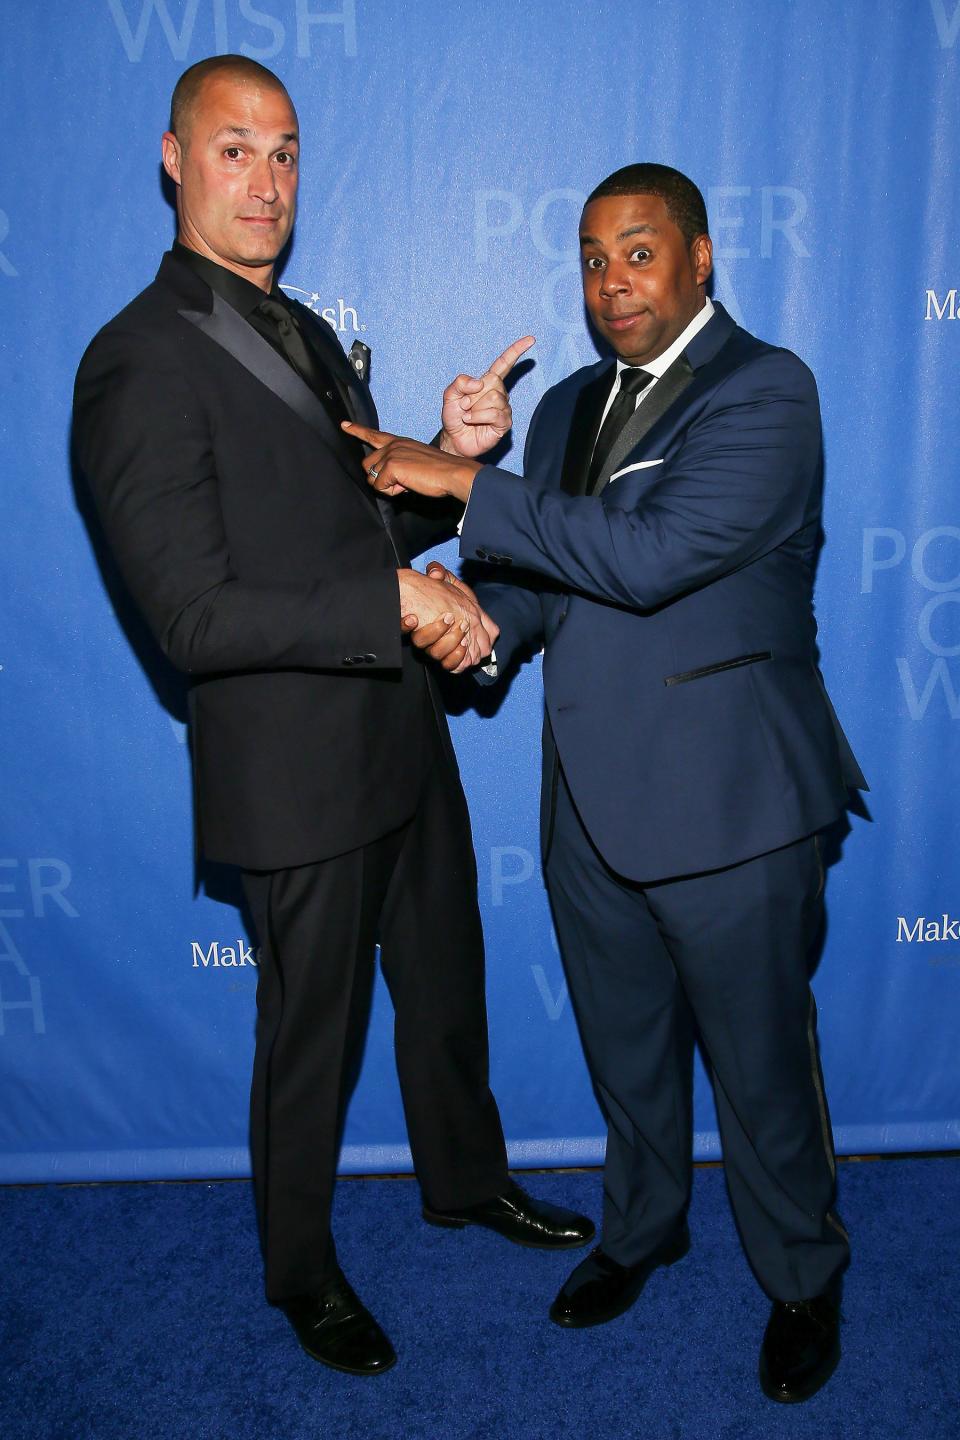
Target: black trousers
(414,891)
(726,953)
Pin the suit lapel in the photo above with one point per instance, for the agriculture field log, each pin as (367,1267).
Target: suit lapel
(589,406)
(354,392)
(667,390)
(226,328)
(356,396)
(587,410)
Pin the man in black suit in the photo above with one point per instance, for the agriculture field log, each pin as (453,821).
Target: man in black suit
(207,421)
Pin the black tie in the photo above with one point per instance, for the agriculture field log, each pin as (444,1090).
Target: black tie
(632,381)
(300,355)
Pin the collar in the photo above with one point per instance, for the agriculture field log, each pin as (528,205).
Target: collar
(241,294)
(662,363)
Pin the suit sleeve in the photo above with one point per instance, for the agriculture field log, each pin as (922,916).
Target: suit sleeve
(514,602)
(144,443)
(738,487)
(426,523)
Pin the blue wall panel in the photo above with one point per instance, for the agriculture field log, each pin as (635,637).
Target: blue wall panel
(447,151)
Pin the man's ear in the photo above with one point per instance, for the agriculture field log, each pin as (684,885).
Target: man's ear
(702,255)
(171,153)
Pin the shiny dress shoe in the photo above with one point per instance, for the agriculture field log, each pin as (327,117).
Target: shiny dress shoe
(600,1289)
(336,1328)
(801,1347)
(518,1217)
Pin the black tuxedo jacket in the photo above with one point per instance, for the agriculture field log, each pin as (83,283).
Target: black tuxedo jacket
(266,569)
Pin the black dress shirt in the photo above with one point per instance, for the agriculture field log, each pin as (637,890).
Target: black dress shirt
(245,297)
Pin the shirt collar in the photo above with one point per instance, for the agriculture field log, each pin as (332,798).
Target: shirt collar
(241,294)
(662,364)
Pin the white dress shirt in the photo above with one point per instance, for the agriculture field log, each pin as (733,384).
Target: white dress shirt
(659,367)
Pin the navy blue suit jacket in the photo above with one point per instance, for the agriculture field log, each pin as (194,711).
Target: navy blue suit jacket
(675,608)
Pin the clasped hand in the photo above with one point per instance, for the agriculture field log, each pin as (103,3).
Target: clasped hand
(444,619)
(438,610)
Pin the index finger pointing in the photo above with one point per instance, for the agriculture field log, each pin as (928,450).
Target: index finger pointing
(376,438)
(504,363)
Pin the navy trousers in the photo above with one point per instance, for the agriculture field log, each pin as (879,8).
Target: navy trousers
(725,954)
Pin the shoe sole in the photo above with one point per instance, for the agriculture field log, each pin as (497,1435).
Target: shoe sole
(671,1258)
(347,1369)
(797,1397)
(446,1222)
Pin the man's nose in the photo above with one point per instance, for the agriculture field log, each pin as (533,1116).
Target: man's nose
(616,279)
(263,183)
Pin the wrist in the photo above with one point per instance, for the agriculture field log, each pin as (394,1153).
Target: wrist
(445,443)
(461,480)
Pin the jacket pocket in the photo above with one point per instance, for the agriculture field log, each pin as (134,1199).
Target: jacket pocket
(733,664)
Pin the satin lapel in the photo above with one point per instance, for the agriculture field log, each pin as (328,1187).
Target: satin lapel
(584,427)
(356,396)
(360,402)
(354,393)
(227,328)
(662,396)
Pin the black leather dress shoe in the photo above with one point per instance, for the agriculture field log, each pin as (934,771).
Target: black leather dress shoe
(336,1328)
(801,1347)
(600,1289)
(518,1217)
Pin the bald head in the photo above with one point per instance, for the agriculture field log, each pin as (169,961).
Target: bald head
(237,68)
(234,156)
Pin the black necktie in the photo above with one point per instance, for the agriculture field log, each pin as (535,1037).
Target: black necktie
(303,359)
(632,381)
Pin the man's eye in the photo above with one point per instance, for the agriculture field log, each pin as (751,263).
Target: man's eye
(233,152)
(592,262)
(283,157)
(640,255)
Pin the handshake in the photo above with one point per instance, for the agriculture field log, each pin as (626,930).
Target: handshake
(443,617)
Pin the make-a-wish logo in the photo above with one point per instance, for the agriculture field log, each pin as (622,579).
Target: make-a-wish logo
(921,931)
(223,957)
(945,309)
(339,316)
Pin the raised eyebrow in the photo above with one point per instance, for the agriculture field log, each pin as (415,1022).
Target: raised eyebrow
(289,137)
(624,234)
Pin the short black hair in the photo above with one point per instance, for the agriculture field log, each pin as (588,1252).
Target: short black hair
(188,87)
(679,194)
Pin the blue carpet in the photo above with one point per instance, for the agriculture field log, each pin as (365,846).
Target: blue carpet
(129,1312)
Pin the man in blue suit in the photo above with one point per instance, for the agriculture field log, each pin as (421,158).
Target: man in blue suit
(666,529)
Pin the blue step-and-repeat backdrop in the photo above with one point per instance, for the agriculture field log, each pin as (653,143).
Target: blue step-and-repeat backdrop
(448,147)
